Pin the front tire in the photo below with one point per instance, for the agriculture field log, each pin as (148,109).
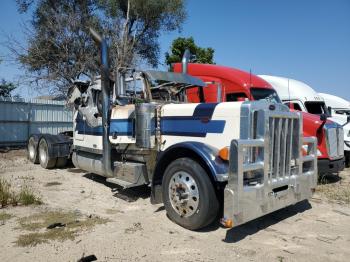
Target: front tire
(188,194)
(45,161)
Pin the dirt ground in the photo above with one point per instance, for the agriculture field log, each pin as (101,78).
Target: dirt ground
(317,230)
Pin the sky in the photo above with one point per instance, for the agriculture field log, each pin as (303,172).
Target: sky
(305,40)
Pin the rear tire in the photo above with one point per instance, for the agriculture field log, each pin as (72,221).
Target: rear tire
(61,162)
(347,159)
(32,152)
(45,161)
(188,194)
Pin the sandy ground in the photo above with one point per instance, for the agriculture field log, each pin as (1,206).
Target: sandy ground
(310,231)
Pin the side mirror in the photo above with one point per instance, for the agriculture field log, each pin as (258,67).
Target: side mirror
(347,121)
(323,117)
(329,110)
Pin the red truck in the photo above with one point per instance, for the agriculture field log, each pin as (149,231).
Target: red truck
(230,84)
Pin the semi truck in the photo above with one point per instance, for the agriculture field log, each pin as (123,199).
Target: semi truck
(339,109)
(231,84)
(234,160)
(304,98)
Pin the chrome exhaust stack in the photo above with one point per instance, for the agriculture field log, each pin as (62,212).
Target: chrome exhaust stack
(105,88)
(185,60)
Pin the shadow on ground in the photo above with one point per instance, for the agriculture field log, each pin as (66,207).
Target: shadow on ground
(239,233)
(329,179)
(128,194)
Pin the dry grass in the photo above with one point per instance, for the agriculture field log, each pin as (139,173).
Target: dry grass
(338,191)
(38,223)
(4,216)
(25,196)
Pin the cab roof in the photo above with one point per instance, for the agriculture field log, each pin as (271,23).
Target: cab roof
(237,76)
(335,102)
(291,89)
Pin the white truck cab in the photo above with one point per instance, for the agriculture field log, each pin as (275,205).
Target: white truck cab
(303,97)
(340,110)
(299,94)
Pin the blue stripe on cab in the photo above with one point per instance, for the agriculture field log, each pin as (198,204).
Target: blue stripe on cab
(190,126)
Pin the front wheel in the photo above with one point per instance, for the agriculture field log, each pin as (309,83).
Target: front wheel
(188,194)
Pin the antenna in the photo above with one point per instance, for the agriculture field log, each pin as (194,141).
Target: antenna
(288,92)
(250,84)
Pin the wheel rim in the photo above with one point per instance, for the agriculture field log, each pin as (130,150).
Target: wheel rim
(183,194)
(31,150)
(43,152)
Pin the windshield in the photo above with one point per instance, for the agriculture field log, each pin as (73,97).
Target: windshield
(342,111)
(317,108)
(265,93)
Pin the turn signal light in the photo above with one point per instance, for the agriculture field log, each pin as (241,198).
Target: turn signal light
(224,153)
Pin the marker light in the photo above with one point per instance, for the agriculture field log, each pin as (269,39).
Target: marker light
(228,223)
(224,153)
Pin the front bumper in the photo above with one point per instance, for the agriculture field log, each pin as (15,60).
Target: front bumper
(326,166)
(243,203)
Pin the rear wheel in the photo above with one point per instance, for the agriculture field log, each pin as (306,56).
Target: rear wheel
(188,194)
(45,161)
(347,159)
(32,151)
(61,162)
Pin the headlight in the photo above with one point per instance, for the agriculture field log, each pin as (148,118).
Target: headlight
(304,150)
(319,153)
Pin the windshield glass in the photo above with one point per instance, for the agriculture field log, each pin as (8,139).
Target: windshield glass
(316,108)
(342,112)
(265,93)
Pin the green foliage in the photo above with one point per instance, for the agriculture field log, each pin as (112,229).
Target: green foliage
(25,196)
(74,224)
(6,88)
(135,26)
(60,48)
(180,44)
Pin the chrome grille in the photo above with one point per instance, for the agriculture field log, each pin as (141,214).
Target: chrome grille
(284,133)
(335,141)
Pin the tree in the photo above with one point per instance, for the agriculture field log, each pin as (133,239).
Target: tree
(61,50)
(59,47)
(180,44)
(135,26)
(6,88)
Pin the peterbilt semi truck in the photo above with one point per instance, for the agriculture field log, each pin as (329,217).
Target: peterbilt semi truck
(304,98)
(339,109)
(231,84)
(136,128)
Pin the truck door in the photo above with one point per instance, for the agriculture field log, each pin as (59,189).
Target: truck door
(79,128)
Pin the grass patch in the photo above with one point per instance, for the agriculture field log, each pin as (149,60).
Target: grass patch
(338,191)
(38,223)
(4,216)
(25,196)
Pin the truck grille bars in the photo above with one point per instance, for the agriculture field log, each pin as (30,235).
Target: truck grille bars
(334,141)
(267,169)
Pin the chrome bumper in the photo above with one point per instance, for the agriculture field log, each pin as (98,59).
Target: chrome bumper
(244,202)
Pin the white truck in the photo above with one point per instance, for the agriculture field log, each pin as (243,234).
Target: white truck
(302,97)
(137,129)
(340,111)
